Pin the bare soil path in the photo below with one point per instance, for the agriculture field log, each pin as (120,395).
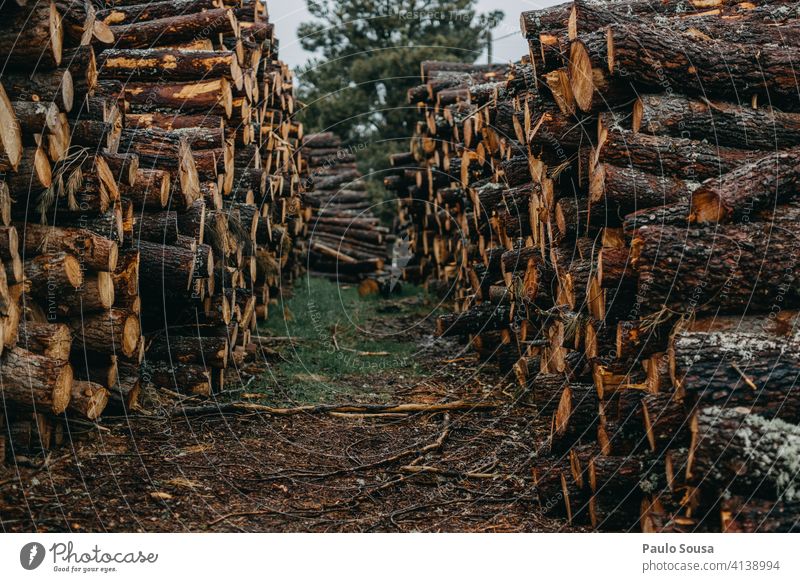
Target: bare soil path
(243,470)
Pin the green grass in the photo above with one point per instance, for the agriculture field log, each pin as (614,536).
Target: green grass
(317,369)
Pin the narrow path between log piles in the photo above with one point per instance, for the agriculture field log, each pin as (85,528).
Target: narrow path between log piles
(415,454)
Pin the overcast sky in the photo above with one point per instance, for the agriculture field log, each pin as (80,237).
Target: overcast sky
(287,16)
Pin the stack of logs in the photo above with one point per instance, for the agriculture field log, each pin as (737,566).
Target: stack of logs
(149,198)
(617,216)
(345,239)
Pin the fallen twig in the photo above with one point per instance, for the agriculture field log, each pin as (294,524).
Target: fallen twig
(456,474)
(361,409)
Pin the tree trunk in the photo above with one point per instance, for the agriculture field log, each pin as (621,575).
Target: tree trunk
(748,515)
(53,272)
(704,67)
(157,63)
(182,378)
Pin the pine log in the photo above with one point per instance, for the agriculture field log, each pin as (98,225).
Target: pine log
(10,132)
(115,331)
(165,267)
(731,368)
(764,183)
(712,68)
(182,378)
(744,453)
(172,29)
(32,35)
(726,275)
(94,252)
(674,157)
(206,351)
(95,294)
(175,64)
(88,400)
(47,339)
(35,381)
(747,515)
(53,272)
(720,122)
(55,86)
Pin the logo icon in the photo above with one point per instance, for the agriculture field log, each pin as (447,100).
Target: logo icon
(31,555)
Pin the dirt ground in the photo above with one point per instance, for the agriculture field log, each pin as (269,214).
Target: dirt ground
(239,470)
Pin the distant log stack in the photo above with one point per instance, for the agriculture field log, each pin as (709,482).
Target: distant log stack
(346,241)
(614,219)
(150,200)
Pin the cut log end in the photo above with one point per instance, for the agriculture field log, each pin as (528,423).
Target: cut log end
(707,207)
(10,132)
(597,183)
(62,389)
(131,334)
(581,76)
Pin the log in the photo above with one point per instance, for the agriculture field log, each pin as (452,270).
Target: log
(10,132)
(165,267)
(115,331)
(150,190)
(206,96)
(631,189)
(173,29)
(32,35)
(727,276)
(88,400)
(182,378)
(747,515)
(95,294)
(207,351)
(52,86)
(731,368)
(158,63)
(674,157)
(93,251)
(35,381)
(720,122)
(53,272)
(132,12)
(713,68)
(744,453)
(764,183)
(47,339)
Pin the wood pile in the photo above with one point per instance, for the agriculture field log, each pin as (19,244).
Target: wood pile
(615,217)
(346,241)
(149,202)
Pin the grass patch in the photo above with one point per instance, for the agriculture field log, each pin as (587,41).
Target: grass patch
(344,346)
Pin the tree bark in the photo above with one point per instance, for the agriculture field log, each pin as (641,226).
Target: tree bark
(733,368)
(770,180)
(93,251)
(745,454)
(32,380)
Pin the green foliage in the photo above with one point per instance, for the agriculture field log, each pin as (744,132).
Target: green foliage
(319,369)
(367,55)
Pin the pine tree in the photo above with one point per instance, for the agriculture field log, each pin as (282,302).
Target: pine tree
(367,55)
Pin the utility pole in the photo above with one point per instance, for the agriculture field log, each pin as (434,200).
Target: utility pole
(489,45)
